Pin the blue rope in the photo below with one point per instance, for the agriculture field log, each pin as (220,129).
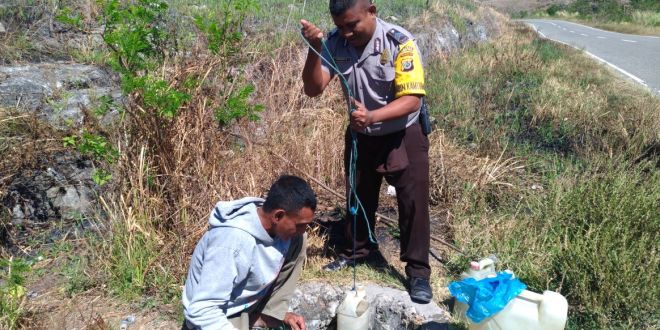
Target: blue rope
(354,203)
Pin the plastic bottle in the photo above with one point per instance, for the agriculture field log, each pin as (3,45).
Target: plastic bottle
(481,269)
(478,270)
(353,312)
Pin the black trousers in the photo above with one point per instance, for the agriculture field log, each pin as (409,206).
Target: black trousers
(402,159)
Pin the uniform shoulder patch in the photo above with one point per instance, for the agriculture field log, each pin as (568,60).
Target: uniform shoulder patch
(397,35)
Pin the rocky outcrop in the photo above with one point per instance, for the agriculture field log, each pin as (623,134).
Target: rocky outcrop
(449,37)
(62,190)
(390,308)
(59,93)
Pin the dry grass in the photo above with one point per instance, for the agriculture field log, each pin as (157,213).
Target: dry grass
(204,164)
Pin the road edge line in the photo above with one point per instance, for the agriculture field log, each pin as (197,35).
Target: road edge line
(628,74)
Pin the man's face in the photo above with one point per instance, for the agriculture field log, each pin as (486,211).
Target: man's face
(290,225)
(357,24)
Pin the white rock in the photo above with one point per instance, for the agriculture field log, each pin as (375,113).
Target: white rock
(391,191)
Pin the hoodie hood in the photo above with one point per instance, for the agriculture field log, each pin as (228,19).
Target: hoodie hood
(241,214)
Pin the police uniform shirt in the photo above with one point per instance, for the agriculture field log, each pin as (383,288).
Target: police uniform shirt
(389,67)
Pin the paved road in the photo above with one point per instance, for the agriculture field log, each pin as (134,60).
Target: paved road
(637,57)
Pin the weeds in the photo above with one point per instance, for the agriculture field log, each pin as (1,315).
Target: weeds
(12,291)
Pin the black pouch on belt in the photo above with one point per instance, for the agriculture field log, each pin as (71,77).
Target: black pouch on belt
(425,118)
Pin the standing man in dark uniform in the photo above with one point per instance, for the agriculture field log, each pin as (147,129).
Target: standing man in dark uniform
(384,73)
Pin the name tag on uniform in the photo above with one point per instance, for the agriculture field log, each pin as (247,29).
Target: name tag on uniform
(342,59)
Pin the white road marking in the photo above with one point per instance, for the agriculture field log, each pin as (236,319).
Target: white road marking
(553,24)
(626,40)
(630,75)
(626,73)
(599,30)
(582,34)
(541,34)
(601,37)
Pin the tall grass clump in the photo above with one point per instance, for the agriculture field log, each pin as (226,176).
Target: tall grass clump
(133,250)
(647,18)
(579,213)
(543,98)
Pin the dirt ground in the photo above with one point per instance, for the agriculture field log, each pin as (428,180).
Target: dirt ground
(49,307)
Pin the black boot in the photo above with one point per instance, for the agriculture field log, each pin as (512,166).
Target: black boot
(420,290)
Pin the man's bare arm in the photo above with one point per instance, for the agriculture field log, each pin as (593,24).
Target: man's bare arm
(315,79)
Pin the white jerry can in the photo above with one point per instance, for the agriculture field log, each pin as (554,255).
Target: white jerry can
(527,311)
(353,312)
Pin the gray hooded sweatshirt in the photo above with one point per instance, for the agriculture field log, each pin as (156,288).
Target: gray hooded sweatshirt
(233,265)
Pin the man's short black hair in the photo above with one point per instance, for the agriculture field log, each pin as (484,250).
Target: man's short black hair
(291,194)
(338,7)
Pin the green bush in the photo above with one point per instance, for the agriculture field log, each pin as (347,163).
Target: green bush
(610,10)
(553,9)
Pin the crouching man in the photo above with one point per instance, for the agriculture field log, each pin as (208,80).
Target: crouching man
(245,268)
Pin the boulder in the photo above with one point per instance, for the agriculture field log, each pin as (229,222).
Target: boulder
(390,308)
(445,39)
(60,93)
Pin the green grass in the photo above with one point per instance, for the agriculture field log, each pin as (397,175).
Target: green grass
(457,21)
(13,272)
(134,256)
(76,278)
(591,235)
(131,253)
(542,98)
(590,230)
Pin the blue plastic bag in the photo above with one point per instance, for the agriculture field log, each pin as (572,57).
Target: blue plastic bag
(488,296)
